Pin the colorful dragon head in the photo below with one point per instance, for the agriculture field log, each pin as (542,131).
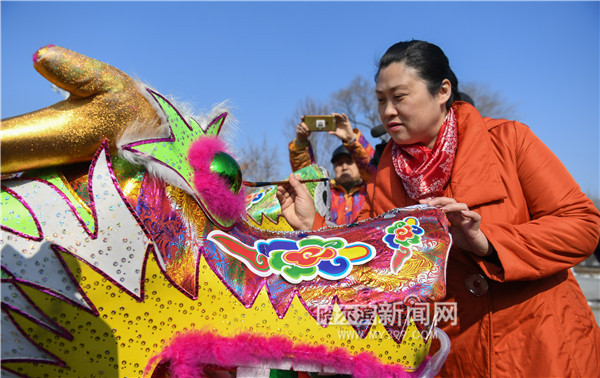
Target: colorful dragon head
(137,267)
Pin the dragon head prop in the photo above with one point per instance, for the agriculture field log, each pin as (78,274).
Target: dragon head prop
(146,265)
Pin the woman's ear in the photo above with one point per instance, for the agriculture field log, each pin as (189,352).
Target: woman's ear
(445,91)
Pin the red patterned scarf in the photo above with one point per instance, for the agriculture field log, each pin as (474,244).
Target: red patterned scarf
(425,172)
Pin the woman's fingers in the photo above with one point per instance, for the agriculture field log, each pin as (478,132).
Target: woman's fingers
(464,224)
(455,207)
(296,204)
(448,205)
(471,215)
(459,214)
(437,201)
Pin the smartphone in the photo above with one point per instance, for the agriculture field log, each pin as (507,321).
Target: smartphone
(320,122)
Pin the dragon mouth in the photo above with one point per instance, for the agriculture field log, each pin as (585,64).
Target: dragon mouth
(194,353)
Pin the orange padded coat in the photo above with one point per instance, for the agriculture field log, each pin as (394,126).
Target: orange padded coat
(524,315)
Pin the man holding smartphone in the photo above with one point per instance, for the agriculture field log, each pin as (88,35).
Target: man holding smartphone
(351,164)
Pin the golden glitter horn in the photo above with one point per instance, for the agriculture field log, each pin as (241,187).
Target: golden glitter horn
(102,102)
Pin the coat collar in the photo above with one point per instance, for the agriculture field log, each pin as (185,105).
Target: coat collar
(475,177)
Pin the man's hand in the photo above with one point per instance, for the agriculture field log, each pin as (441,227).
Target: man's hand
(302,133)
(103,101)
(343,129)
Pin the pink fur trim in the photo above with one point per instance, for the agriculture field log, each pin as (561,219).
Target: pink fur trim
(190,353)
(213,188)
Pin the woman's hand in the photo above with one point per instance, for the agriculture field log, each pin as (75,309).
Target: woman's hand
(297,206)
(464,225)
(343,129)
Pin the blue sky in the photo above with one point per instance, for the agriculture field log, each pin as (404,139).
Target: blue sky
(265,57)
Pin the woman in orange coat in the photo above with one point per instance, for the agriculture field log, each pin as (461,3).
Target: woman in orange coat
(518,221)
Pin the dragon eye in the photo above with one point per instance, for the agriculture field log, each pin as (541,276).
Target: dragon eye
(225,166)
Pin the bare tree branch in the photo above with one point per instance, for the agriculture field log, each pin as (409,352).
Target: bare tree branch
(489,103)
(260,163)
(358,101)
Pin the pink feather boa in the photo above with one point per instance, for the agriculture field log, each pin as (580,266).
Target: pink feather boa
(189,354)
(214,189)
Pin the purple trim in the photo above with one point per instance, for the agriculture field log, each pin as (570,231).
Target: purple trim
(156,94)
(250,301)
(124,199)
(56,248)
(37,223)
(170,138)
(56,294)
(93,234)
(13,372)
(175,285)
(57,360)
(7,272)
(55,326)
(131,211)
(217,118)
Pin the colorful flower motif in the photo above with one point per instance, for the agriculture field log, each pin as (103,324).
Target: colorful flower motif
(291,272)
(297,261)
(309,256)
(401,236)
(406,233)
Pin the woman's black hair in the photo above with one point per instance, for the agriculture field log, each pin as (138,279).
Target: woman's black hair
(430,62)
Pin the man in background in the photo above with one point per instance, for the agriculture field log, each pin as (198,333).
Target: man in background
(351,164)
